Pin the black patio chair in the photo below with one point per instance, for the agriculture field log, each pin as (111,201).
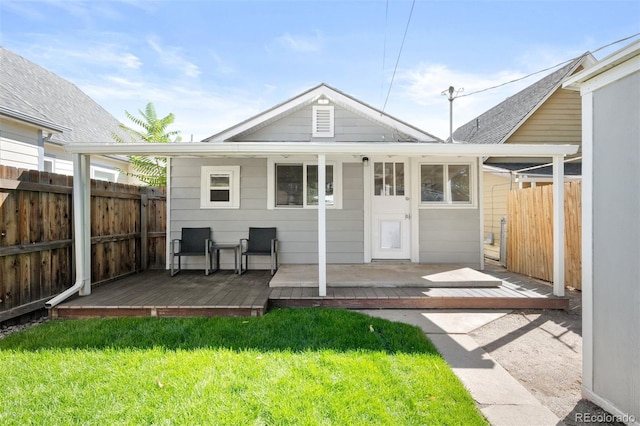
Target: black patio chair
(261,242)
(194,242)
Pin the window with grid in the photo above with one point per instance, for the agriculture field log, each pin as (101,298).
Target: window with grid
(220,187)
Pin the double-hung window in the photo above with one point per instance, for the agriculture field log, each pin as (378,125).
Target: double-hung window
(220,187)
(295,185)
(446,184)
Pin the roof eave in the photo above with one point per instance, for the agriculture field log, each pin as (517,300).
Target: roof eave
(31,120)
(616,58)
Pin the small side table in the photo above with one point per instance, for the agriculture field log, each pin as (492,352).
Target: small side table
(227,246)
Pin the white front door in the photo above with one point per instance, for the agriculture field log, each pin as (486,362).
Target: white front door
(390,210)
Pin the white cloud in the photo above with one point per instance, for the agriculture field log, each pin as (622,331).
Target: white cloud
(220,65)
(172,57)
(269,88)
(428,108)
(301,43)
(24,9)
(65,55)
(198,112)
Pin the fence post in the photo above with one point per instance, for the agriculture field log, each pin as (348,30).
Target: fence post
(144,238)
(503,242)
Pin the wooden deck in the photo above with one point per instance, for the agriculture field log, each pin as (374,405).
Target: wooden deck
(191,293)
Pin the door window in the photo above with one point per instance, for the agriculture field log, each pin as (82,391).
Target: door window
(388,179)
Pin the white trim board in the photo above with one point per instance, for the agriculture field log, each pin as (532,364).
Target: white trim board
(620,63)
(190,149)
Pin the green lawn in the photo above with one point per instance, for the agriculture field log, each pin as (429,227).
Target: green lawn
(301,366)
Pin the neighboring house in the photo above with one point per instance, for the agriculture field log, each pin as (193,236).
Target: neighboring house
(611,232)
(41,112)
(392,191)
(543,113)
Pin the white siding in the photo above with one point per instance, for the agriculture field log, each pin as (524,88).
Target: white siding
(19,148)
(297,127)
(63,163)
(19,145)
(297,228)
(450,236)
(616,244)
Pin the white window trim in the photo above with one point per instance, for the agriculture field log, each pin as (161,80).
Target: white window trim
(314,121)
(271,183)
(234,187)
(49,160)
(447,204)
(94,169)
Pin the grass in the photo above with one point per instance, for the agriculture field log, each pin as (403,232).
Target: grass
(302,366)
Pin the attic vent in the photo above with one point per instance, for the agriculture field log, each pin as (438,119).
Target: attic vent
(322,121)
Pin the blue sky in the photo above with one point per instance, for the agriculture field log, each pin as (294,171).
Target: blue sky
(215,63)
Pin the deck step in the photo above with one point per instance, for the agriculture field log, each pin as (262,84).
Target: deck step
(424,303)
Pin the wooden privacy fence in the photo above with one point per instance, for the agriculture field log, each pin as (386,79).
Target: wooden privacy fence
(128,234)
(530,232)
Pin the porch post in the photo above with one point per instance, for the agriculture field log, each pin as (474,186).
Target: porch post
(322,226)
(558,225)
(82,222)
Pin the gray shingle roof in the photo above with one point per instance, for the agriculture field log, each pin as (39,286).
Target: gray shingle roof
(494,125)
(27,89)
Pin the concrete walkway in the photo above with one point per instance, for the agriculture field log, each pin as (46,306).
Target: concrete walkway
(500,397)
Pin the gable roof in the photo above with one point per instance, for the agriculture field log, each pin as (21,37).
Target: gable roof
(500,122)
(406,132)
(32,94)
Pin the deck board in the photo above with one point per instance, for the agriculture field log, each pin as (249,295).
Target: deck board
(190,293)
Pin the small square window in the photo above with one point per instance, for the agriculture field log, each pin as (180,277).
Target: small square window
(220,187)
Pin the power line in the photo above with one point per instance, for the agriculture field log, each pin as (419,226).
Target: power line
(547,69)
(406,29)
(384,48)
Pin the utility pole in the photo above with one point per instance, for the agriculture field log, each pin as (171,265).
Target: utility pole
(453,93)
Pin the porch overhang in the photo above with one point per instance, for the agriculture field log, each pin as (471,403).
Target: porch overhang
(181,149)
(82,152)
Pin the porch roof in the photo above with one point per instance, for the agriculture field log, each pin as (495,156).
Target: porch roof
(177,149)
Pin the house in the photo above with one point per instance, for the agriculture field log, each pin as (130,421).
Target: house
(342,181)
(610,93)
(41,112)
(542,113)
